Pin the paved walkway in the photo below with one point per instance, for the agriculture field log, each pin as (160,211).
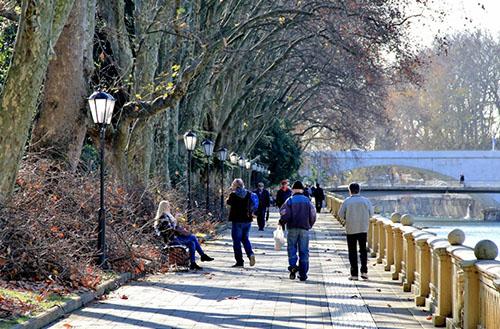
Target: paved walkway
(261,296)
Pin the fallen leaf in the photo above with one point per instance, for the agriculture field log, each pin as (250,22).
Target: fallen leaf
(429,317)
(389,305)
(379,290)
(329,260)
(66,325)
(234,297)
(124,297)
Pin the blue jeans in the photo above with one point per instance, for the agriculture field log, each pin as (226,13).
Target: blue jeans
(192,243)
(239,233)
(298,238)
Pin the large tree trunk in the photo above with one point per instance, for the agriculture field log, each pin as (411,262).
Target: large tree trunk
(62,118)
(39,27)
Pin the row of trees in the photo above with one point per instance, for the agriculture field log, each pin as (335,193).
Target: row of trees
(232,70)
(457,106)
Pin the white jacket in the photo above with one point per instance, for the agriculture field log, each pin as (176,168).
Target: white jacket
(357,211)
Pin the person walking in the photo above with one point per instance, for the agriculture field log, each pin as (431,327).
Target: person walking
(356,210)
(240,214)
(264,202)
(283,193)
(167,227)
(319,196)
(299,216)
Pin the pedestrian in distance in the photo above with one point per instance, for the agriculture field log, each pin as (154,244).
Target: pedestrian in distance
(168,228)
(319,196)
(356,210)
(241,215)
(299,216)
(264,202)
(283,194)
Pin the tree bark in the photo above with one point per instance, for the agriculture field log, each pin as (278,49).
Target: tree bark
(40,26)
(62,119)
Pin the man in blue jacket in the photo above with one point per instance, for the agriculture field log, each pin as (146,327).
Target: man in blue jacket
(264,202)
(299,216)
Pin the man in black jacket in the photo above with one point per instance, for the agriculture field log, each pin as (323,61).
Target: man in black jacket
(240,215)
(264,201)
(319,196)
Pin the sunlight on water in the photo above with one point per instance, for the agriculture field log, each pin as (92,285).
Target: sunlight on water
(475,230)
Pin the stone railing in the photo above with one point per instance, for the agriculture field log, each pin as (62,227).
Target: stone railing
(459,285)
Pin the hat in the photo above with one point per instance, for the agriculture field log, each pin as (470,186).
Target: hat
(297,185)
(284,181)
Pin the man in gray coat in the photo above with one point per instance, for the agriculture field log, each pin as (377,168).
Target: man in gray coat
(356,210)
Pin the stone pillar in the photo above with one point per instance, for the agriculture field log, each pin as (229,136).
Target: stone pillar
(408,261)
(389,248)
(373,223)
(381,241)
(397,235)
(444,297)
(423,276)
(471,294)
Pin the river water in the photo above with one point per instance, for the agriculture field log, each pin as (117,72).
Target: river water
(475,230)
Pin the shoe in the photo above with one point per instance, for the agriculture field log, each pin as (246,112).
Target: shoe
(353,278)
(252,260)
(238,265)
(364,276)
(261,229)
(206,258)
(302,279)
(292,273)
(194,266)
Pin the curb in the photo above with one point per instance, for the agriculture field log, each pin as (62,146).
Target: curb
(79,301)
(74,303)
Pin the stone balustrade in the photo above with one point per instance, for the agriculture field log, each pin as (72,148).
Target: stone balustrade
(459,285)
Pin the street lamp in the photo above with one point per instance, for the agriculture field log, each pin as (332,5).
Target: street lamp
(255,167)
(208,149)
(222,157)
(248,165)
(233,157)
(101,106)
(190,142)
(241,163)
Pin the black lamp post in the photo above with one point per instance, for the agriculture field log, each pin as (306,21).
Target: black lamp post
(101,106)
(233,157)
(208,149)
(255,167)
(241,163)
(222,157)
(190,142)
(248,165)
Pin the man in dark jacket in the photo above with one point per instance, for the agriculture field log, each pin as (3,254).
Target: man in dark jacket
(240,214)
(283,193)
(319,196)
(264,201)
(298,214)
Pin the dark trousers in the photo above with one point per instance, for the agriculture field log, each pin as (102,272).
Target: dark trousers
(261,218)
(318,204)
(352,241)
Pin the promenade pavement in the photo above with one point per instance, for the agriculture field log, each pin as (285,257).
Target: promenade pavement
(261,296)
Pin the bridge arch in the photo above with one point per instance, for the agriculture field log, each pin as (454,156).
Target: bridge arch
(478,167)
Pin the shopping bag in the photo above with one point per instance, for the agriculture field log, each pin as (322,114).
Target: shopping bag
(279,238)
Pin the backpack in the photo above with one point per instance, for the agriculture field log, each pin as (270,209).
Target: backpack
(253,204)
(165,229)
(255,201)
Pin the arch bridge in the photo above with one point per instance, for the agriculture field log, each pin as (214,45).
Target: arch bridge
(480,168)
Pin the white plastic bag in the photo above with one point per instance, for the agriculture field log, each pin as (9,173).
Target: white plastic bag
(279,238)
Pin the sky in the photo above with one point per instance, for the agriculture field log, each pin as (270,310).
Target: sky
(460,15)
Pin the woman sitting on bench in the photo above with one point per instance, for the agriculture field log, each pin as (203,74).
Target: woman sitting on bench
(166,227)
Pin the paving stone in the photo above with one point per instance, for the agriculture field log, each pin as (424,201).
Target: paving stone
(261,296)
